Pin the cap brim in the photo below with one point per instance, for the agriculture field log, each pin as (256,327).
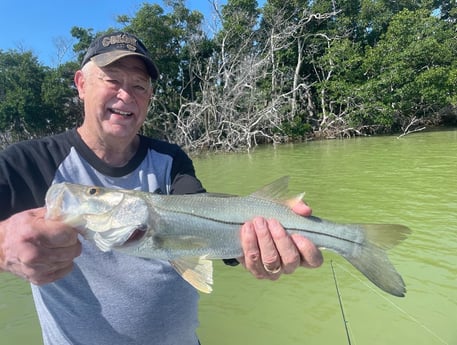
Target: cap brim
(105,59)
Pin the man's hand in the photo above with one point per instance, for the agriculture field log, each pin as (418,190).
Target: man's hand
(270,251)
(37,249)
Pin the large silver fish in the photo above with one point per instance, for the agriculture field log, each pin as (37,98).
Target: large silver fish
(190,230)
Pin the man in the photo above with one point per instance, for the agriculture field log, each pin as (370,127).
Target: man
(83,295)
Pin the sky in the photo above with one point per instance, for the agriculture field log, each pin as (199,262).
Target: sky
(39,25)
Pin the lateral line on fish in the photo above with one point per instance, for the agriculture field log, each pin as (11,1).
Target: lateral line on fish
(240,224)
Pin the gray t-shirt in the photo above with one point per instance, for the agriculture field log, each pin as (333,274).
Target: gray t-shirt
(109,297)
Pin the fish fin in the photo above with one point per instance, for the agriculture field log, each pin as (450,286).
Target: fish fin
(293,201)
(107,240)
(198,272)
(385,236)
(372,260)
(275,191)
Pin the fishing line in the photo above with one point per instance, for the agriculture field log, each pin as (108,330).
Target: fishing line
(412,318)
(341,304)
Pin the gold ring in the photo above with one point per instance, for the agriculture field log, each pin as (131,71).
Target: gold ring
(272,271)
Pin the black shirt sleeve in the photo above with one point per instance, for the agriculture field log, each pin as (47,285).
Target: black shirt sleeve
(26,171)
(183,176)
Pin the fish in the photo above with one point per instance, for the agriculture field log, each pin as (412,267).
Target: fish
(191,230)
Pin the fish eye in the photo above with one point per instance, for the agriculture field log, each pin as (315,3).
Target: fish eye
(93,191)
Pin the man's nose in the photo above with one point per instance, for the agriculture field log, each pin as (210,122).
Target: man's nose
(126,94)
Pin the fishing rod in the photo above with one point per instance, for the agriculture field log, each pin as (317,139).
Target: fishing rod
(341,304)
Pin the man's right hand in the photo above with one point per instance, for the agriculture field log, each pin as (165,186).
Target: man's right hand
(37,249)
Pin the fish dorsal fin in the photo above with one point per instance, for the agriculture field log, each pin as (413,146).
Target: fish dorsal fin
(277,192)
(198,272)
(274,191)
(293,201)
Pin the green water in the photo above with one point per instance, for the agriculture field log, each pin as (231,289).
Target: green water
(409,181)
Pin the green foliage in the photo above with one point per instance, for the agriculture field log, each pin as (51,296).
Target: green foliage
(295,129)
(60,96)
(409,68)
(239,18)
(21,78)
(85,37)
(407,74)
(315,66)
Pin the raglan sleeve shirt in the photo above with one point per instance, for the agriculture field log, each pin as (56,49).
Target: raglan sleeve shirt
(109,298)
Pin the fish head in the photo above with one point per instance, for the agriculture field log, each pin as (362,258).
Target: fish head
(73,203)
(109,217)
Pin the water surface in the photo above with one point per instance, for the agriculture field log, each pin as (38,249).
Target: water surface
(410,181)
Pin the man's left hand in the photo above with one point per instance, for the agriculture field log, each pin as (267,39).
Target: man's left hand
(270,251)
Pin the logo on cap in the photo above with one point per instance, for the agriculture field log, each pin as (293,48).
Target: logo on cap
(130,42)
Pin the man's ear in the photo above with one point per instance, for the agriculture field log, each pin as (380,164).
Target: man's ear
(79,80)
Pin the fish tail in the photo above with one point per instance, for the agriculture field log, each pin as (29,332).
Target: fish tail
(371,257)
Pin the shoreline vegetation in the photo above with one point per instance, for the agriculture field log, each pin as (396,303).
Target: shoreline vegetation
(283,72)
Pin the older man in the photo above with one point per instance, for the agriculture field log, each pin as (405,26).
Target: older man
(84,295)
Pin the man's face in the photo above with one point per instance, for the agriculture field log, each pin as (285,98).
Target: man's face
(116,97)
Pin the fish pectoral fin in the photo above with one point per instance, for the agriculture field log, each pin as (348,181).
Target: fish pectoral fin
(198,272)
